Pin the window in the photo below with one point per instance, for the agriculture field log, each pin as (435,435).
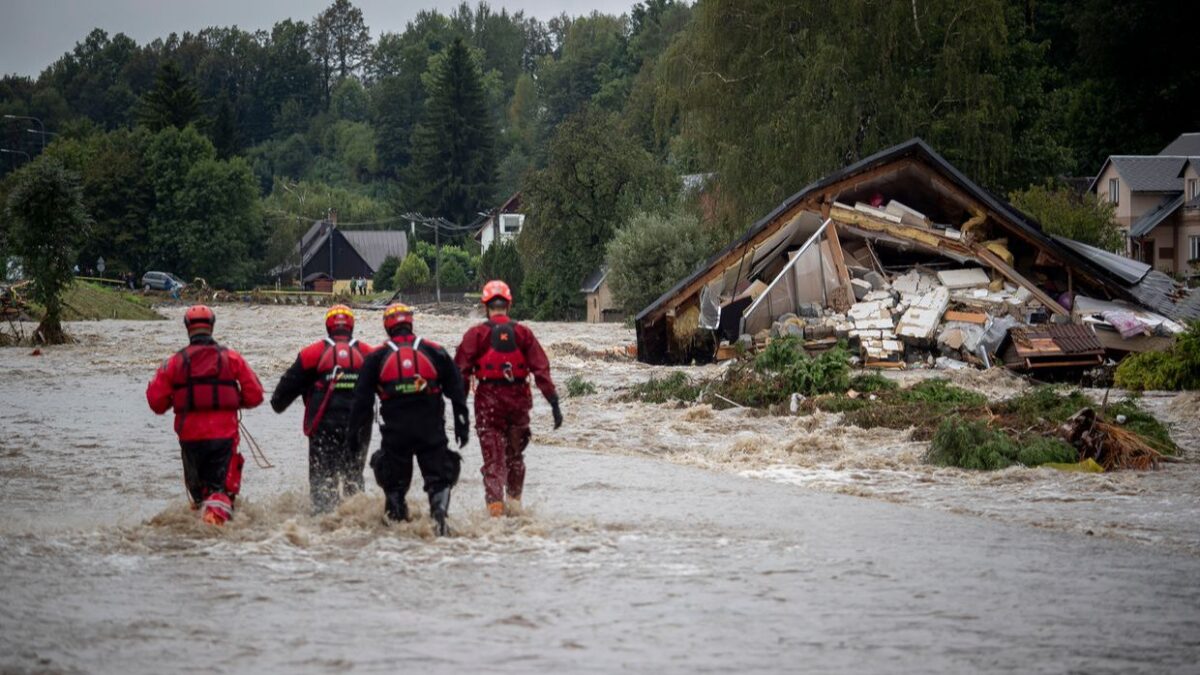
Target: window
(510,223)
(1195,247)
(1114,190)
(1193,188)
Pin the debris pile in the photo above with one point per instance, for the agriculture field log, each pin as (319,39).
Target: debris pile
(906,292)
(1111,446)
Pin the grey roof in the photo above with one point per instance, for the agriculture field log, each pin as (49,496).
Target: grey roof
(376,245)
(1127,269)
(592,283)
(1149,173)
(1149,220)
(1186,144)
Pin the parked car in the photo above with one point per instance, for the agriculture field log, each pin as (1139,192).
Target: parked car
(161,281)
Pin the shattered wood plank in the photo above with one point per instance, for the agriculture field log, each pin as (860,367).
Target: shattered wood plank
(844,214)
(844,295)
(1014,276)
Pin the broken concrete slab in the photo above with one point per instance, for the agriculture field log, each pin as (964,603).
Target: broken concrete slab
(861,288)
(964,278)
(922,319)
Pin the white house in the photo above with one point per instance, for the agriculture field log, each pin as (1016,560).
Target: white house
(501,224)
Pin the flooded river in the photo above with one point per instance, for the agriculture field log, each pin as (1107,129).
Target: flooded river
(656,539)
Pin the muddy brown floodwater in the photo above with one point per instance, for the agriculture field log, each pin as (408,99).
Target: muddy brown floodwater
(656,538)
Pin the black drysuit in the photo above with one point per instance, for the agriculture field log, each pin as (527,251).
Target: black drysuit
(412,425)
(337,449)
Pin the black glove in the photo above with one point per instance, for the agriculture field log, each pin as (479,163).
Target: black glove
(556,411)
(462,428)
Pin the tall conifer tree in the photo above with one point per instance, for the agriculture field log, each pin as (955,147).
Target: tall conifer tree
(454,159)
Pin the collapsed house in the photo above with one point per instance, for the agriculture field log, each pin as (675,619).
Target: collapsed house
(909,260)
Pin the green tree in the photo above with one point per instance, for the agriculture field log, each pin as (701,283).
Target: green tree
(502,261)
(385,276)
(224,132)
(454,275)
(47,224)
(1063,212)
(350,101)
(596,179)
(173,102)
(412,274)
(594,68)
(652,252)
(454,163)
(341,42)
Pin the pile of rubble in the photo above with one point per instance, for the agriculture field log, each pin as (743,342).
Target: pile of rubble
(970,307)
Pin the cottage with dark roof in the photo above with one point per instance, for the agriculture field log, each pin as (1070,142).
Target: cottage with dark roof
(345,254)
(1157,202)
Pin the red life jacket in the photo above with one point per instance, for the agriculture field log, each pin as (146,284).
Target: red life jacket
(208,381)
(407,371)
(347,357)
(503,360)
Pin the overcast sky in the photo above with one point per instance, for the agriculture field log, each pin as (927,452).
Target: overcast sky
(34,33)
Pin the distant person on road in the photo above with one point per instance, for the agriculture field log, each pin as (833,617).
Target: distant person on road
(410,375)
(207,385)
(501,354)
(325,373)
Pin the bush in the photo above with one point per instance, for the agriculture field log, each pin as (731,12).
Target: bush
(673,387)
(968,444)
(412,274)
(971,444)
(1045,403)
(1144,425)
(869,383)
(385,276)
(652,252)
(1177,369)
(1064,212)
(942,394)
(577,386)
(501,261)
(453,275)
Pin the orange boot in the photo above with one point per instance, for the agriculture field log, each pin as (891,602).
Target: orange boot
(496,509)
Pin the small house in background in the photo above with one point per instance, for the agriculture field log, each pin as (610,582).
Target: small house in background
(1156,199)
(319,282)
(501,224)
(600,305)
(342,255)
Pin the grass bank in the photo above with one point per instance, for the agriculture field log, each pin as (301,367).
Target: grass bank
(86,301)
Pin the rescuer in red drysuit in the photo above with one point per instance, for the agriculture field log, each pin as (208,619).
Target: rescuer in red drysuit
(207,385)
(324,373)
(501,354)
(410,376)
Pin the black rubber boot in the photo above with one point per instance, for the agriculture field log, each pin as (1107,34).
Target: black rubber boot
(439,508)
(395,507)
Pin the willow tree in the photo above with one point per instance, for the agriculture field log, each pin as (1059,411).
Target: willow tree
(47,225)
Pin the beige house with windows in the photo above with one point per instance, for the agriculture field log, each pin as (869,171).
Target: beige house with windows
(1156,199)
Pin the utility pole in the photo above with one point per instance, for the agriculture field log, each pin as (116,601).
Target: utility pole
(437,274)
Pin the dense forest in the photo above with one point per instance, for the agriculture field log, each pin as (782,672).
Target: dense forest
(208,153)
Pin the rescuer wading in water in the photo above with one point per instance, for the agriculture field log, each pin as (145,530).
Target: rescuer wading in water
(207,385)
(410,376)
(501,354)
(325,373)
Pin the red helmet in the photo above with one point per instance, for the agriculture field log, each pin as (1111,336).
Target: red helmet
(496,289)
(199,319)
(339,319)
(396,315)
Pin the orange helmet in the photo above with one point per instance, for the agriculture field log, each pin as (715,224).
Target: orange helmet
(396,315)
(199,319)
(339,319)
(496,289)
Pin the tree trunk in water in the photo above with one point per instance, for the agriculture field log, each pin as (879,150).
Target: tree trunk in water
(50,332)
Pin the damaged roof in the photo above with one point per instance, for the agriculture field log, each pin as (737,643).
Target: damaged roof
(916,148)
(592,283)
